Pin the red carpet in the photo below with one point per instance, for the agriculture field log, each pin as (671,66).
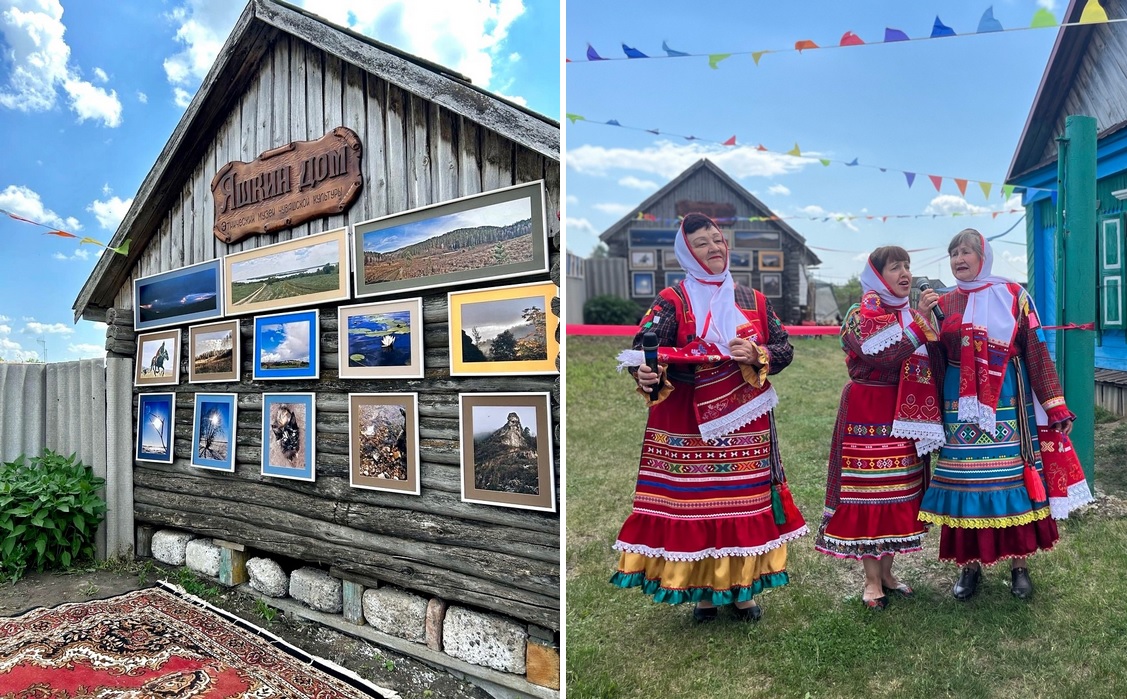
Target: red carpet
(152,643)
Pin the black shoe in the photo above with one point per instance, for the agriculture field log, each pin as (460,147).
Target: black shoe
(968,584)
(877,604)
(705,613)
(753,613)
(1020,584)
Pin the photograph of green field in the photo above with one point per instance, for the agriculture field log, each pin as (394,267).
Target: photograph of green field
(298,272)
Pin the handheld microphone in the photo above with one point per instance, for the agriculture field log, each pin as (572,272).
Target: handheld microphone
(649,349)
(924,286)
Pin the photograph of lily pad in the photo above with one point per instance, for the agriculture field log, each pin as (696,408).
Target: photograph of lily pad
(381,340)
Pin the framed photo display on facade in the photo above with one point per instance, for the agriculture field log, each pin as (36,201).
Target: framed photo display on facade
(507,450)
(300,272)
(156,413)
(286,346)
(493,235)
(213,431)
(288,436)
(214,353)
(383,441)
(158,359)
(178,296)
(503,330)
(381,340)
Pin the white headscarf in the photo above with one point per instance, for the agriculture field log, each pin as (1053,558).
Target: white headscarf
(711,296)
(873,280)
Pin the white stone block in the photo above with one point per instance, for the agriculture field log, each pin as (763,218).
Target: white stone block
(317,589)
(267,577)
(397,612)
(171,547)
(484,639)
(202,556)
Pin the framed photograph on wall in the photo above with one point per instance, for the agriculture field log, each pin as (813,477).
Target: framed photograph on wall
(288,440)
(642,284)
(213,352)
(158,359)
(669,260)
(381,340)
(771,284)
(643,259)
(739,260)
(179,296)
(504,330)
(156,413)
(507,450)
(494,235)
(383,441)
(213,431)
(286,346)
(672,278)
(755,239)
(743,278)
(299,272)
(770,260)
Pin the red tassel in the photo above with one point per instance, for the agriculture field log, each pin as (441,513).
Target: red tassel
(1034,485)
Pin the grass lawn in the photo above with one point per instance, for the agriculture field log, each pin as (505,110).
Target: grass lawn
(815,639)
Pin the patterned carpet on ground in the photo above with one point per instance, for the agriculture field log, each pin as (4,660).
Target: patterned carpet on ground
(156,643)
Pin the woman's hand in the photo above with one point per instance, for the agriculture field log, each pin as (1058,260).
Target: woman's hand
(928,300)
(647,378)
(1064,426)
(744,352)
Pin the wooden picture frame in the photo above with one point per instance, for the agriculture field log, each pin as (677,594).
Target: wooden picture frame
(158,359)
(523,340)
(156,420)
(178,296)
(289,442)
(642,285)
(739,259)
(743,278)
(669,260)
(214,422)
(287,346)
(672,278)
(494,235)
(214,352)
(383,442)
(771,284)
(381,340)
(300,272)
(490,464)
(643,259)
(770,261)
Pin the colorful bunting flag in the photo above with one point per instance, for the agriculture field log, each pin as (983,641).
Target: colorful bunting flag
(891,35)
(670,52)
(730,142)
(962,185)
(940,29)
(1093,13)
(574,118)
(756,55)
(592,54)
(911,177)
(850,39)
(715,58)
(1007,191)
(1042,18)
(122,249)
(795,151)
(988,23)
(61,234)
(632,53)
(985,186)
(804,44)
(852,163)
(937,181)
(824,162)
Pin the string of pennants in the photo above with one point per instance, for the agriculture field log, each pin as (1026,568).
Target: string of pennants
(122,249)
(1043,18)
(840,218)
(961,183)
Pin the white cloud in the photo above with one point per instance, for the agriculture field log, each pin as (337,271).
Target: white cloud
(100,75)
(572,199)
(26,203)
(86,350)
(294,346)
(1050,5)
(636,183)
(142,97)
(947,204)
(181,97)
(465,35)
(860,257)
(779,189)
(816,212)
(614,209)
(578,225)
(5,329)
(37,328)
(668,159)
(39,65)
(110,212)
(4,318)
(79,254)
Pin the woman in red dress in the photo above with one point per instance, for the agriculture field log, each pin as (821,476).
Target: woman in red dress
(712,512)
(888,423)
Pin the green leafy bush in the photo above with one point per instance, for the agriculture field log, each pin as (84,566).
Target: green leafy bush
(611,310)
(49,512)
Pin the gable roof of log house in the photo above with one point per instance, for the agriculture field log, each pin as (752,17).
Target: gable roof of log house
(236,66)
(1058,81)
(740,191)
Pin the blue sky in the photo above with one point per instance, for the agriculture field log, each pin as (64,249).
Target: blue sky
(91,91)
(953,107)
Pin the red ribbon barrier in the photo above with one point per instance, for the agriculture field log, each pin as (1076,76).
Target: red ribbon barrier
(1070,326)
(631,330)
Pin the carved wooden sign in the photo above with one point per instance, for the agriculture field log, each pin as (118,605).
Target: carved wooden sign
(287,186)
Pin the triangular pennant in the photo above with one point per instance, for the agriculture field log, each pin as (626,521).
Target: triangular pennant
(962,185)
(1007,191)
(761,147)
(891,35)
(937,181)
(91,241)
(593,55)
(940,29)
(756,55)
(985,189)
(612,122)
(730,142)
(670,52)
(122,249)
(575,117)
(61,234)
(988,23)
(715,58)
(804,44)
(911,177)
(851,39)
(690,138)
(1093,12)
(19,218)
(823,161)
(884,219)
(794,151)
(655,132)
(884,169)
(995,214)
(632,53)
(956,213)
(1043,18)
(852,163)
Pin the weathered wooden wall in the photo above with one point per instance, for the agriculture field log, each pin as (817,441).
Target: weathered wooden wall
(415,153)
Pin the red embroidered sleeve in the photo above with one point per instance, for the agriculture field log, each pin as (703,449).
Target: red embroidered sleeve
(1042,371)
